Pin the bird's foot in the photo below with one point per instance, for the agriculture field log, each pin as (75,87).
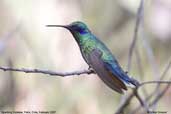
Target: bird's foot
(91,69)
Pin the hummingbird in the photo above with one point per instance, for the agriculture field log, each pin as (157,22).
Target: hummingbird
(99,57)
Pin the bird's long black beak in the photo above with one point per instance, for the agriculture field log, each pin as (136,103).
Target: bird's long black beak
(63,26)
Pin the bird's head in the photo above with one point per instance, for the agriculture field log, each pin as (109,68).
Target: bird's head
(75,27)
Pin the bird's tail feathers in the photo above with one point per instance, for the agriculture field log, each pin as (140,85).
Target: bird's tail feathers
(132,83)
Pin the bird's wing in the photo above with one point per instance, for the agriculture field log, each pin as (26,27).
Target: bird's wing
(104,73)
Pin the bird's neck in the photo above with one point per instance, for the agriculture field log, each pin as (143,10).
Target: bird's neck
(81,38)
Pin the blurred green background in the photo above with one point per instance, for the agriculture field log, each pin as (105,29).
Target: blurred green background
(25,42)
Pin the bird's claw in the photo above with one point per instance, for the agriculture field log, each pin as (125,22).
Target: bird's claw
(91,69)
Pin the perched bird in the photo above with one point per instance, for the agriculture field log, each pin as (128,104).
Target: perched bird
(99,57)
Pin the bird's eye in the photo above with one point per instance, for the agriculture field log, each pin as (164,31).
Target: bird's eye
(81,31)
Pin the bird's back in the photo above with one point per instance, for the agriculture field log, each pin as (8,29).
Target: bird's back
(109,61)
